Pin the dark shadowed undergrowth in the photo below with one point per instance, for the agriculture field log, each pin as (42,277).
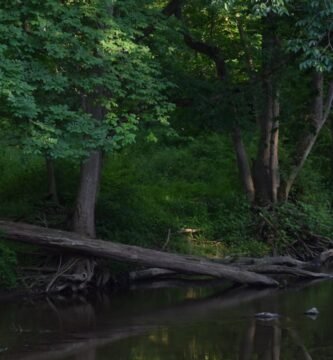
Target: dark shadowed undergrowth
(184,197)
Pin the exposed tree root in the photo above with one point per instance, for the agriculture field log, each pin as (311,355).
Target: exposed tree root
(308,245)
(60,273)
(78,273)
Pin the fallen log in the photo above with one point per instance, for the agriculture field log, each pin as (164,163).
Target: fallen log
(67,241)
(326,256)
(149,274)
(266,260)
(264,267)
(282,269)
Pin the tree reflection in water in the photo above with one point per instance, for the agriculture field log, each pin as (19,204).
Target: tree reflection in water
(165,325)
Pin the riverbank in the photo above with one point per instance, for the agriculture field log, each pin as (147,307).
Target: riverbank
(79,266)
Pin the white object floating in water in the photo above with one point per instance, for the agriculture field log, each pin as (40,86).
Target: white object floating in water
(312,311)
(266,315)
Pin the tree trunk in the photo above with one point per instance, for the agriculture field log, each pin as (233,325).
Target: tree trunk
(319,115)
(266,169)
(262,164)
(250,67)
(263,187)
(51,181)
(84,215)
(274,152)
(72,242)
(243,164)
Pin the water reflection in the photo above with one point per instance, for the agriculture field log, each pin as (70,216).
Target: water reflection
(164,324)
(262,341)
(265,341)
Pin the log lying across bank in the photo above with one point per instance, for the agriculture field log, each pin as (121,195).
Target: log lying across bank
(67,241)
(249,271)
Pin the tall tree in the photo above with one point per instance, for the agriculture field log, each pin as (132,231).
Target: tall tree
(255,47)
(77,84)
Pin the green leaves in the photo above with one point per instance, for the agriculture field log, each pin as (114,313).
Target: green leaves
(313,42)
(263,8)
(54,55)
(7,265)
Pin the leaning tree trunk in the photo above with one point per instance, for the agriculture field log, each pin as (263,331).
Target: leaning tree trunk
(80,244)
(84,215)
(319,115)
(243,164)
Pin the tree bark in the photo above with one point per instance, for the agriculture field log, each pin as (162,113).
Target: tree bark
(243,164)
(262,174)
(274,152)
(63,241)
(84,215)
(280,270)
(266,169)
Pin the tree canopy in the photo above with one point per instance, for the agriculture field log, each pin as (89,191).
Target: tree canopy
(234,96)
(59,58)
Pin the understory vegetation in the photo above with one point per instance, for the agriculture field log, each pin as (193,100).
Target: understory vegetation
(184,196)
(201,127)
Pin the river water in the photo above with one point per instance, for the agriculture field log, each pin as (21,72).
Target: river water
(188,323)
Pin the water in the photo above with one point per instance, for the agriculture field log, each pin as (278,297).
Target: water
(171,324)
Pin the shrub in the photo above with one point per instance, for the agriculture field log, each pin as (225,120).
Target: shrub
(7,266)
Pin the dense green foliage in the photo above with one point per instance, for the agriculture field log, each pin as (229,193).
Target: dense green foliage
(7,266)
(150,188)
(84,76)
(62,57)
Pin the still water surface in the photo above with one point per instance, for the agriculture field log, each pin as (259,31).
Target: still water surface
(171,324)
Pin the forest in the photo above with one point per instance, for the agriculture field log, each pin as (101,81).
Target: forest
(194,127)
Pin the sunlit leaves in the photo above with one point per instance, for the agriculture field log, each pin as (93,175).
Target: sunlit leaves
(55,54)
(259,7)
(263,8)
(313,41)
